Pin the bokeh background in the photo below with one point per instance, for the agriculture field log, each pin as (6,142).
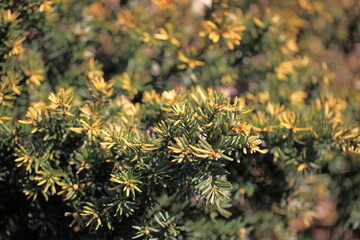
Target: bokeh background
(295,63)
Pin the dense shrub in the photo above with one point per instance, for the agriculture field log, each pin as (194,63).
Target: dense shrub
(160,120)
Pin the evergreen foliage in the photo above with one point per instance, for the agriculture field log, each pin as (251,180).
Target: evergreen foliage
(150,120)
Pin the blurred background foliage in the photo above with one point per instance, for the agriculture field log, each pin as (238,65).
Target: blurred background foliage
(107,130)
